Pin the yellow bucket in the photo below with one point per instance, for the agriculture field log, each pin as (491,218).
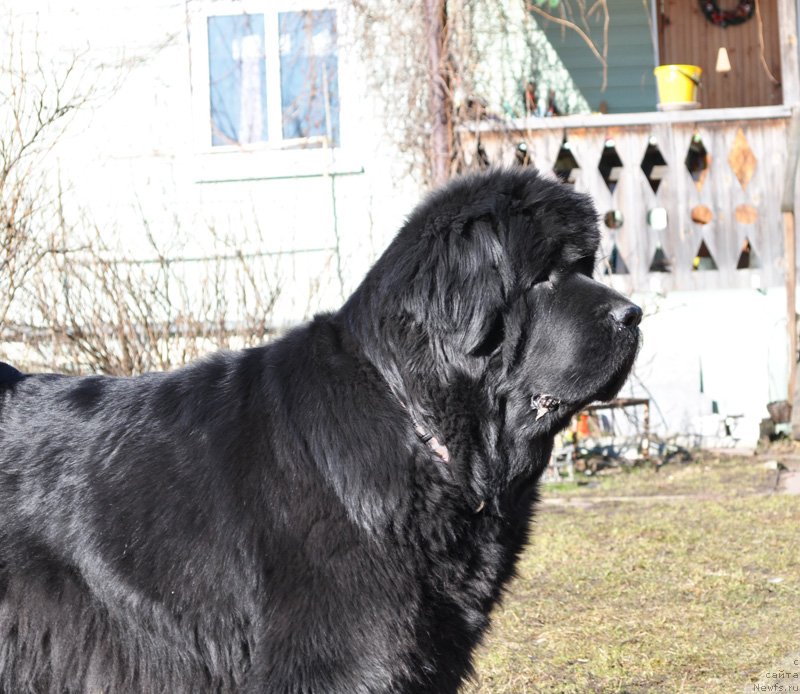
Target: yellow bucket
(677,84)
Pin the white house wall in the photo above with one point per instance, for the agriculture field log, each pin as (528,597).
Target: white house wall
(736,338)
(133,153)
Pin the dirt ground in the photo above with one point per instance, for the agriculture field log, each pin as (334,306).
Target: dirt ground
(790,482)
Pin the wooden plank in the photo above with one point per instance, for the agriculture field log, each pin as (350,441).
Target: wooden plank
(791,298)
(601,120)
(788,209)
(720,195)
(787,30)
(663,198)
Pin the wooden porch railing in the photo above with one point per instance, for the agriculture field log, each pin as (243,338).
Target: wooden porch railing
(688,200)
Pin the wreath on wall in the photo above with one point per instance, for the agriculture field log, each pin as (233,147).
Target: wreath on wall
(724,18)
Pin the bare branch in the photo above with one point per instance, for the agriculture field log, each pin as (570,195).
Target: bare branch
(602,58)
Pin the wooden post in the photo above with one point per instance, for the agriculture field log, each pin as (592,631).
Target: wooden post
(790,84)
(790,250)
(790,70)
(436,20)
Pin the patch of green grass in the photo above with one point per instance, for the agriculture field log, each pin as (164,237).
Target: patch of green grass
(693,589)
(710,476)
(566,486)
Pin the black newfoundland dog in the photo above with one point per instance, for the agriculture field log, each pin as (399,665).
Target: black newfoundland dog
(333,513)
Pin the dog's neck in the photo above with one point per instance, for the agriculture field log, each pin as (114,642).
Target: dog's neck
(359,344)
(439,449)
(423,434)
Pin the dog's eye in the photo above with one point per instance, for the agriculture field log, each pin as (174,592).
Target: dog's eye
(586,266)
(492,339)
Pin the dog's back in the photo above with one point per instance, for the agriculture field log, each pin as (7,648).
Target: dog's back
(9,377)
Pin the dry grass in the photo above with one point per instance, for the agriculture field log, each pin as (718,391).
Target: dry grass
(693,588)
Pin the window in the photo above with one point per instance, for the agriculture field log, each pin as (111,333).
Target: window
(237,79)
(273,78)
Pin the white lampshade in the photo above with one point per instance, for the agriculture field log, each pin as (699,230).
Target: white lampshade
(723,63)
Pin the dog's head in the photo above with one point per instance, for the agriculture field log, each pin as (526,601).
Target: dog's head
(485,303)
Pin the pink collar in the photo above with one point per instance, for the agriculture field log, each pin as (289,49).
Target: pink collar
(433,443)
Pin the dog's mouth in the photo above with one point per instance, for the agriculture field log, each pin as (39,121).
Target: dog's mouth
(543,404)
(559,408)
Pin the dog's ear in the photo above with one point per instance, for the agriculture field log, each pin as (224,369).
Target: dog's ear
(492,338)
(461,285)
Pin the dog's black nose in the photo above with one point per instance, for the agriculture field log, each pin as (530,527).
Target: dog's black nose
(627,314)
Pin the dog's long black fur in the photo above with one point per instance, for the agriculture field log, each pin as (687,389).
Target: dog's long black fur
(273,520)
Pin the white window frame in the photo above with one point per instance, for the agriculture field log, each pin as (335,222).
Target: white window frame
(276,157)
